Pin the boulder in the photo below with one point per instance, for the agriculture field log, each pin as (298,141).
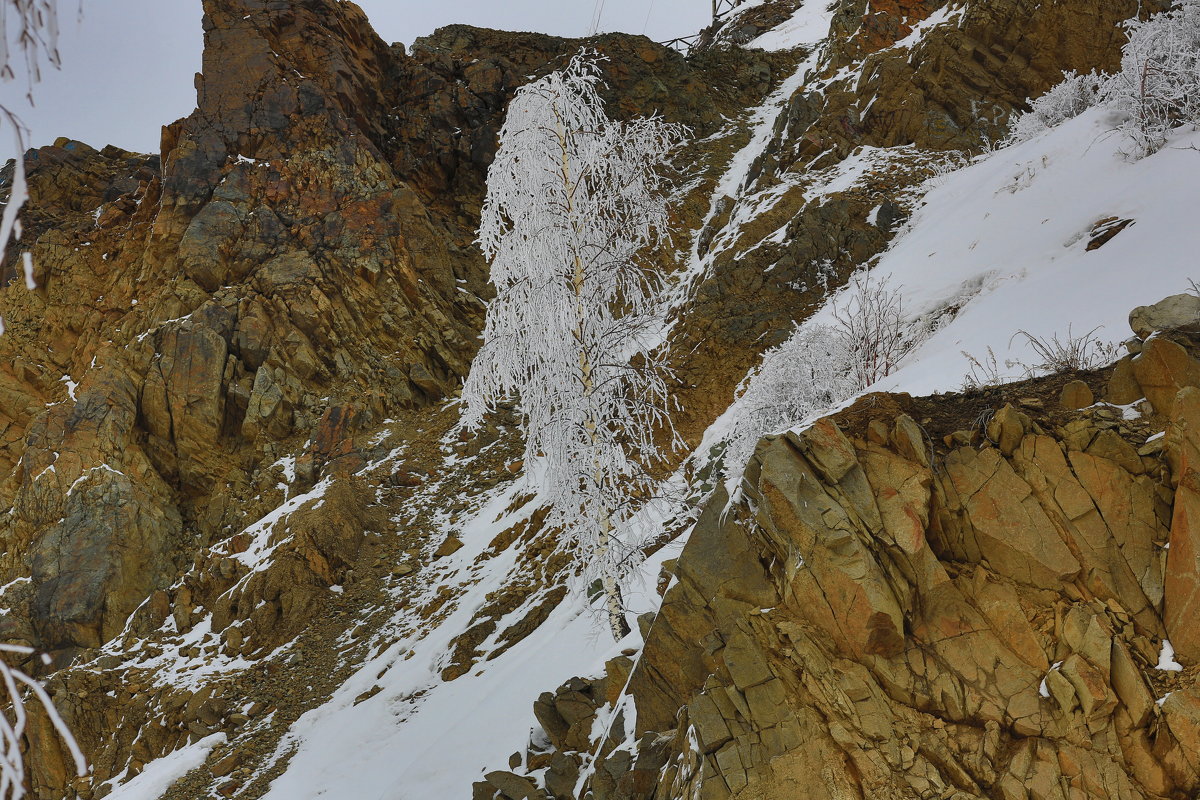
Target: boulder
(1076,394)
(1122,387)
(1176,311)
(1162,369)
(1006,428)
(514,787)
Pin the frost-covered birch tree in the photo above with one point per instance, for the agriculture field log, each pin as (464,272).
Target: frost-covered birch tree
(575,204)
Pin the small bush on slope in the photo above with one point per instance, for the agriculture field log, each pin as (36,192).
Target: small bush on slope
(1158,87)
(821,365)
(1070,98)
(809,372)
(1071,354)
(1051,355)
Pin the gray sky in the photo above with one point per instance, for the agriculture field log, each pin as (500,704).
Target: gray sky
(128,65)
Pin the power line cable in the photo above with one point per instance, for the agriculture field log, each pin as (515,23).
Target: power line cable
(597,18)
(646,24)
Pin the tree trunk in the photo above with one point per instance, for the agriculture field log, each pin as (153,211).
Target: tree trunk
(613,602)
(615,606)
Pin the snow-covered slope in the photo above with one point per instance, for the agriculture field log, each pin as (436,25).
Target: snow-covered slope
(420,735)
(399,726)
(417,734)
(1005,241)
(808,25)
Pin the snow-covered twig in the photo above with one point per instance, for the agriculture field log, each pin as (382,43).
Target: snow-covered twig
(870,318)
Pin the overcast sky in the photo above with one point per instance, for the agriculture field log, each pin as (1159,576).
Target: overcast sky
(128,65)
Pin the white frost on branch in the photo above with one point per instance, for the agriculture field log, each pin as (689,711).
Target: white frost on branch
(1066,100)
(12,726)
(808,373)
(1158,86)
(823,364)
(575,204)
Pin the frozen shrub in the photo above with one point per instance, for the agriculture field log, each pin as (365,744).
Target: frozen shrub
(1070,98)
(1070,354)
(870,320)
(574,202)
(822,365)
(806,374)
(1052,355)
(984,372)
(1158,87)
(18,689)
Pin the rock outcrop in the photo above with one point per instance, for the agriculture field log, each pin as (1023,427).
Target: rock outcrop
(299,264)
(927,83)
(896,608)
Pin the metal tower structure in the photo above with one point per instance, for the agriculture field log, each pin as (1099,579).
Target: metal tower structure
(720,10)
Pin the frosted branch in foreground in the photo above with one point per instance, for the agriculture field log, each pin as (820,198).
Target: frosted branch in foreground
(35,37)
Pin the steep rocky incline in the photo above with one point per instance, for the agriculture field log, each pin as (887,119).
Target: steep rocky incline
(960,596)
(886,95)
(300,265)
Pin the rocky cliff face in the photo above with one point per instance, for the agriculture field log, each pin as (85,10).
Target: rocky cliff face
(926,83)
(231,484)
(896,607)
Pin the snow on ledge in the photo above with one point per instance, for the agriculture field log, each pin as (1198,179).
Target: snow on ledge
(160,774)
(1166,659)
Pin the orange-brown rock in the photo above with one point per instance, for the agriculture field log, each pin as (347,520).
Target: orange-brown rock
(923,620)
(1162,369)
(1076,394)
(219,329)
(224,325)
(1182,584)
(297,264)
(1122,387)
